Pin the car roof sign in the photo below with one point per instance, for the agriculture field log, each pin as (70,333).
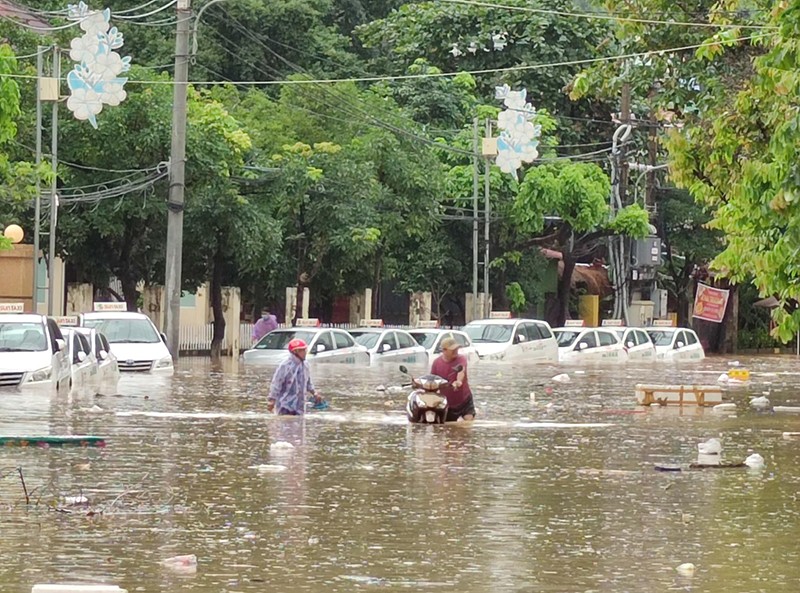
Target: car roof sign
(105,307)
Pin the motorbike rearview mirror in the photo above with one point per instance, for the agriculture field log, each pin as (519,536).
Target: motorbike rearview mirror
(403,369)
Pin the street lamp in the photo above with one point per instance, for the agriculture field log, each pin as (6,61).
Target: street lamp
(14,233)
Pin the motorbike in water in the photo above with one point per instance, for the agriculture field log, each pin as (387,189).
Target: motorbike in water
(425,404)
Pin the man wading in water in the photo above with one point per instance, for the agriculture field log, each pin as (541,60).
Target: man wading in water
(457,392)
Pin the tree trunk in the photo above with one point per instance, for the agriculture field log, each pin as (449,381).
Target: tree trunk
(500,298)
(564,288)
(129,290)
(216,306)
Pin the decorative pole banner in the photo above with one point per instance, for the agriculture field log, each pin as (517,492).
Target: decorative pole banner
(710,303)
(95,81)
(519,137)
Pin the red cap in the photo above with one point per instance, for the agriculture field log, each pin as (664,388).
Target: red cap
(297,345)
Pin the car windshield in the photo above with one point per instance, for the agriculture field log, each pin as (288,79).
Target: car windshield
(279,340)
(425,339)
(489,332)
(126,331)
(366,339)
(566,337)
(661,337)
(22,337)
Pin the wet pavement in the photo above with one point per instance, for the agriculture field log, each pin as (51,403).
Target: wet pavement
(558,494)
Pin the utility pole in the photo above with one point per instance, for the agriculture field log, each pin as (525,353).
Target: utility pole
(475,185)
(487,164)
(51,256)
(177,170)
(625,117)
(650,189)
(38,199)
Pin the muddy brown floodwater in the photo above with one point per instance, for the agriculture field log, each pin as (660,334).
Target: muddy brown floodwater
(555,495)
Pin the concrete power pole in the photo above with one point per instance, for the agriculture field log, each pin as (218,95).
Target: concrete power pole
(177,170)
(475,186)
(487,209)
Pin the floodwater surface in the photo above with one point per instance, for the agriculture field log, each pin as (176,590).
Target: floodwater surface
(552,489)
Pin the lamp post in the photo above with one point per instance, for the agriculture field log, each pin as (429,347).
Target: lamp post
(14,233)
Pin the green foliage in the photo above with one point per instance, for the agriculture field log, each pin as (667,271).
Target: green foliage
(516,297)
(632,221)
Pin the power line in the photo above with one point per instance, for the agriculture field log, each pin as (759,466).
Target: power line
(610,17)
(520,68)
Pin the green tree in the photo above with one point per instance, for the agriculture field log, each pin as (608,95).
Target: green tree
(577,194)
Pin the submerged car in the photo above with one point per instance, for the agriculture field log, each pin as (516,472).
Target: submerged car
(83,365)
(107,365)
(526,340)
(324,345)
(389,345)
(593,344)
(637,343)
(676,343)
(32,353)
(133,339)
(431,340)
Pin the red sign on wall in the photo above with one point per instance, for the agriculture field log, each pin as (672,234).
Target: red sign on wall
(710,303)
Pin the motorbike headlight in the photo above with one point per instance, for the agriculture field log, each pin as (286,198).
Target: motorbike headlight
(41,375)
(164,362)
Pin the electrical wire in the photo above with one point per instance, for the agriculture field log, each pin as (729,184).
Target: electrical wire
(42,51)
(520,68)
(601,16)
(123,16)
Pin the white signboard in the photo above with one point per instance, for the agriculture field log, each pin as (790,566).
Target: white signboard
(309,322)
(663,323)
(372,323)
(428,324)
(500,315)
(107,307)
(612,323)
(12,307)
(574,323)
(67,321)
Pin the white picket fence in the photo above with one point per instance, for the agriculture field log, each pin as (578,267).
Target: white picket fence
(197,338)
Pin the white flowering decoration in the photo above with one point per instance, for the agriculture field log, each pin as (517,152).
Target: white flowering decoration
(95,80)
(519,138)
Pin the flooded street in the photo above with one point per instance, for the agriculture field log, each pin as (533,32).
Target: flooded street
(555,495)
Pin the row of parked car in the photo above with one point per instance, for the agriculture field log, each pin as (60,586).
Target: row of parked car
(524,340)
(84,357)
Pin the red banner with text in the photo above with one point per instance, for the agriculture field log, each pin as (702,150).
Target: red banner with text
(710,303)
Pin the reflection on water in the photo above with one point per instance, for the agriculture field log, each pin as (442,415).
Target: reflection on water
(555,494)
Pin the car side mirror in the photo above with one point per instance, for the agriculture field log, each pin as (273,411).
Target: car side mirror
(679,345)
(630,344)
(81,356)
(320,348)
(583,346)
(519,339)
(103,355)
(60,344)
(386,347)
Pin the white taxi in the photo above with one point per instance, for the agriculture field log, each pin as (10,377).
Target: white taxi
(389,345)
(107,365)
(431,340)
(637,344)
(324,345)
(525,340)
(83,376)
(589,344)
(676,343)
(32,352)
(133,339)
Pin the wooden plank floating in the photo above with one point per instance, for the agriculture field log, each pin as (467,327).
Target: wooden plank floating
(52,441)
(678,395)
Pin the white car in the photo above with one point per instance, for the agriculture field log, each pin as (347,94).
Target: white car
(32,353)
(585,344)
(324,345)
(528,340)
(676,343)
(83,377)
(637,343)
(134,340)
(107,366)
(389,345)
(431,340)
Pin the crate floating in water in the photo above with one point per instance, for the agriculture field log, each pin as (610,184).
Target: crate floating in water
(52,441)
(739,374)
(678,395)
